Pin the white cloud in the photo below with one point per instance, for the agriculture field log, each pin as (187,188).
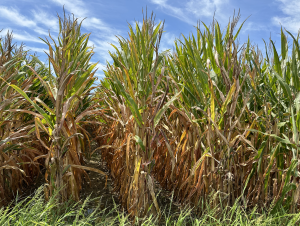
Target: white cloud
(193,9)
(35,49)
(93,22)
(100,74)
(173,11)
(250,26)
(28,25)
(167,41)
(291,20)
(206,8)
(289,23)
(290,7)
(160,2)
(24,36)
(44,18)
(18,19)
(133,24)
(77,7)
(101,67)
(14,16)
(101,47)
(102,35)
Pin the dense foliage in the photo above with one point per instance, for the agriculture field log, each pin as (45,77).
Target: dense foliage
(212,120)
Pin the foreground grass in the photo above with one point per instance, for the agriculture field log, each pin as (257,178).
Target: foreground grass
(35,211)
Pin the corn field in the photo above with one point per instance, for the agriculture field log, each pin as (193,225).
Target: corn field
(211,120)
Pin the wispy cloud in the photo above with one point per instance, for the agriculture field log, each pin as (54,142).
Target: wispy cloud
(102,35)
(44,18)
(167,41)
(133,23)
(206,8)
(14,16)
(291,20)
(101,47)
(23,36)
(18,19)
(36,49)
(251,26)
(193,9)
(96,23)
(77,7)
(173,11)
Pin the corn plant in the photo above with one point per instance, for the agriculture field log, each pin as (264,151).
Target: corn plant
(136,89)
(206,141)
(60,121)
(218,130)
(214,122)
(18,148)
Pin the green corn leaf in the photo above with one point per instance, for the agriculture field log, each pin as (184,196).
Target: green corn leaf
(295,134)
(277,63)
(12,147)
(274,153)
(298,120)
(228,98)
(282,140)
(295,43)
(140,142)
(266,48)
(287,185)
(40,110)
(65,169)
(260,154)
(284,46)
(164,108)
(131,103)
(284,86)
(237,33)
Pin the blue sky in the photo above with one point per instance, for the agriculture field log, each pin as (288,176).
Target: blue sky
(30,19)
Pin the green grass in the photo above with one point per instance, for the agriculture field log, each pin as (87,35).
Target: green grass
(35,211)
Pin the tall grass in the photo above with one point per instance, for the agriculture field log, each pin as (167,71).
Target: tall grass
(35,211)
